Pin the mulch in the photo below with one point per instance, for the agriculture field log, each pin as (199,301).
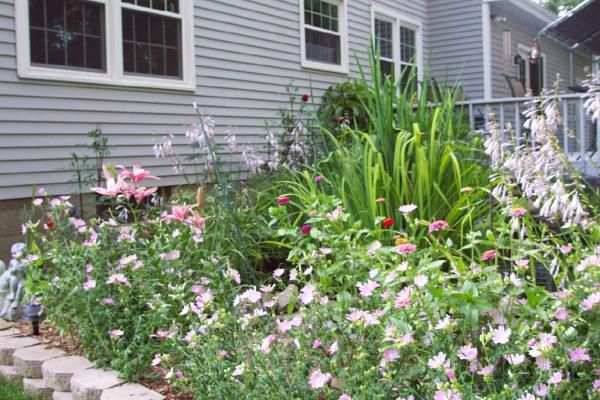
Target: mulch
(72,347)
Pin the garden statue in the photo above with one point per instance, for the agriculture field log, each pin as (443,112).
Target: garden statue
(12,282)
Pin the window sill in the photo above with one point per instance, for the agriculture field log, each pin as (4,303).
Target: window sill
(99,78)
(340,69)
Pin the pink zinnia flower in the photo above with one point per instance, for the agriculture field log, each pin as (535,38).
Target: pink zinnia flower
(367,288)
(318,379)
(406,248)
(319,178)
(488,255)
(316,344)
(438,226)
(579,354)
(517,212)
(283,200)
(403,298)
(501,335)
(305,229)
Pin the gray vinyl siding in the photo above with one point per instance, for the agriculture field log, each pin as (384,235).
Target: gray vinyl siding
(455,51)
(524,31)
(247,52)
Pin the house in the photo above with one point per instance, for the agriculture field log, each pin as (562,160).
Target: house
(134,67)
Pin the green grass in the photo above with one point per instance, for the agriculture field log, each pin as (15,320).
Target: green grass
(12,391)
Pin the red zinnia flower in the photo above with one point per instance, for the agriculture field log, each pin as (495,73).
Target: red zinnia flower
(388,223)
(305,229)
(305,98)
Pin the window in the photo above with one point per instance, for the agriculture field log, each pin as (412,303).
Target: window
(533,76)
(384,40)
(81,41)
(323,35)
(398,40)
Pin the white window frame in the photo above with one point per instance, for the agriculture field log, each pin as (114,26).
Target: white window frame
(524,51)
(114,74)
(343,33)
(406,21)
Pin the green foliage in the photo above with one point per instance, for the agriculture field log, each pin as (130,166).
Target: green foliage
(560,6)
(342,106)
(12,391)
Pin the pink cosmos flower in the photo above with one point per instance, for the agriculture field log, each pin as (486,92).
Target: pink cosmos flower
(251,295)
(38,202)
(561,314)
(319,379)
(283,200)
(345,397)
(178,213)
(522,263)
(115,333)
(467,352)
(373,247)
(437,361)
(367,288)
(421,280)
(596,385)
(391,354)
(108,301)
(501,335)
(556,378)
(333,348)
(234,275)
(447,395)
(172,255)
(588,303)
(514,359)
(486,371)
(488,255)
(118,278)
(527,396)
(307,294)
(406,248)
(543,363)
(266,343)
(90,284)
(316,344)
(540,390)
(403,298)
(137,175)
(305,229)
(438,226)
(278,273)
(579,354)
(566,249)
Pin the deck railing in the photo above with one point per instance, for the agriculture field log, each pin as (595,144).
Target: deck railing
(579,135)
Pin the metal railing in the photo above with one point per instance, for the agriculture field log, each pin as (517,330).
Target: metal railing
(579,135)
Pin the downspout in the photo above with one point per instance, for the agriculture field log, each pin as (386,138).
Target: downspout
(571,67)
(486,25)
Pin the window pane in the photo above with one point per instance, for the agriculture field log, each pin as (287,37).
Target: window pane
(408,76)
(70,33)
(387,68)
(384,38)
(407,44)
(173,6)
(323,47)
(143,3)
(75,55)
(321,15)
(36,13)
(38,46)
(153,45)
(158,5)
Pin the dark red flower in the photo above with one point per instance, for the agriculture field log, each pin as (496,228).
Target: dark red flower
(50,224)
(388,223)
(305,98)
(305,229)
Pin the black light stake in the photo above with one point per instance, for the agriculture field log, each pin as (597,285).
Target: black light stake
(33,312)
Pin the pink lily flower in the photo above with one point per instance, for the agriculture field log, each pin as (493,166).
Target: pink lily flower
(138,174)
(178,213)
(113,187)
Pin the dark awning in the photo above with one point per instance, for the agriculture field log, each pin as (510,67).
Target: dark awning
(580,27)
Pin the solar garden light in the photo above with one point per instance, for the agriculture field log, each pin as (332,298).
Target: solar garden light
(33,312)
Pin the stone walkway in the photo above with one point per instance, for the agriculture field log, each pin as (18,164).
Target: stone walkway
(50,374)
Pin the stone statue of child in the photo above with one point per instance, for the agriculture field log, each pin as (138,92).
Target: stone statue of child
(12,283)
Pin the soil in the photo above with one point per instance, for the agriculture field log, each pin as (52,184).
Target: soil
(70,345)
